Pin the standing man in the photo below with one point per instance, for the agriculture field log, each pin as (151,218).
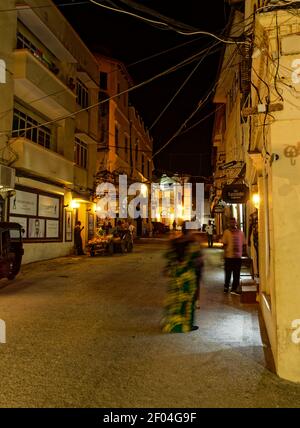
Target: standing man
(210,234)
(233,243)
(78,239)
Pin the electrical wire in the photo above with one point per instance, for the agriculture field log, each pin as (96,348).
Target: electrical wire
(182,86)
(178,131)
(13,9)
(147,10)
(274,6)
(164,24)
(202,119)
(151,21)
(110,72)
(163,52)
(278,59)
(200,105)
(139,85)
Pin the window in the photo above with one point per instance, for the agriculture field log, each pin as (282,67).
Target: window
(117,139)
(80,153)
(126,146)
(103,80)
(143,164)
(82,94)
(41,135)
(136,153)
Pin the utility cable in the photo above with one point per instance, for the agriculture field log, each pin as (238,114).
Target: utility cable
(202,119)
(139,85)
(13,9)
(200,105)
(182,86)
(165,25)
(147,10)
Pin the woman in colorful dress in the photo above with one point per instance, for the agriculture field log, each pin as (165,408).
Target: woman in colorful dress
(182,266)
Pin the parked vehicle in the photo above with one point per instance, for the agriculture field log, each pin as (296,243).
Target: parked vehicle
(11,249)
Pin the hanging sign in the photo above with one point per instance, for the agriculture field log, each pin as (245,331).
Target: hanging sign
(235,193)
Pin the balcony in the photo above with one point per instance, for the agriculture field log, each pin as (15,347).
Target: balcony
(42,162)
(37,85)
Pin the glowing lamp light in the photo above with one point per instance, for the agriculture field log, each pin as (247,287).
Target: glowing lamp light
(256,200)
(75,204)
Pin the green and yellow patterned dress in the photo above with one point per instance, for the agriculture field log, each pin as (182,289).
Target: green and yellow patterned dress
(182,285)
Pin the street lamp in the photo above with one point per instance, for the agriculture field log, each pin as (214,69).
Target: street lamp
(75,204)
(256,200)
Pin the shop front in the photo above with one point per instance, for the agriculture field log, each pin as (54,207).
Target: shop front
(41,213)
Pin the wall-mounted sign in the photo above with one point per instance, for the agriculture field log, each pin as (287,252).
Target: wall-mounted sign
(24,203)
(23,222)
(68,226)
(48,207)
(36,228)
(52,229)
(235,193)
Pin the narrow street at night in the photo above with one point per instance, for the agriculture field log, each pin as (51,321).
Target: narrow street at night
(85,332)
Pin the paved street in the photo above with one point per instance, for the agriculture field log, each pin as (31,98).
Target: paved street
(85,332)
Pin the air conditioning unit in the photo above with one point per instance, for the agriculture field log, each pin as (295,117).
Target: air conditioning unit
(7,178)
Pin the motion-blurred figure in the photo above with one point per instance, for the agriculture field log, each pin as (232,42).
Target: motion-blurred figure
(183,269)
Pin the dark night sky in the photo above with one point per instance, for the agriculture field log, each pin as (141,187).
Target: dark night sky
(130,39)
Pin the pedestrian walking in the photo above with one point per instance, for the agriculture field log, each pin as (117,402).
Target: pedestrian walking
(181,269)
(78,239)
(210,234)
(199,265)
(233,243)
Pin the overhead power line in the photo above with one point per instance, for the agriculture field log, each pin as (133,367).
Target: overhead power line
(147,10)
(167,26)
(182,85)
(13,9)
(199,105)
(139,85)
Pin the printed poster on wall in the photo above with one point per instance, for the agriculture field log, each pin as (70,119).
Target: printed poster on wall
(23,222)
(23,203)
(68,226)
(52,229)
(36,228)
(48,207)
